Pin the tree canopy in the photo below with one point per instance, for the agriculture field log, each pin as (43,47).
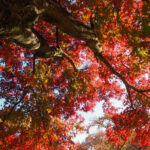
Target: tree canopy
(61,56)
(98,141)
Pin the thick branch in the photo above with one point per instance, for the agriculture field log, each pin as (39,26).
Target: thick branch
(57,15)
(45,51)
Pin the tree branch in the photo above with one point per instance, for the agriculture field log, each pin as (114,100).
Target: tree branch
(45,51)
(70,60)
(14,106)
(59,16)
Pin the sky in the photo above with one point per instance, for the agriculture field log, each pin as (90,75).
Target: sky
(91,116)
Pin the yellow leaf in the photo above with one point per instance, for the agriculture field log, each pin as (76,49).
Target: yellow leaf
(46,80)
(104,36)
(49,110)
(115,13)
(142,53)
(30,118)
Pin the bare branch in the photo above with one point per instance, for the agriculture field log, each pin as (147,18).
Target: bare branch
(14,106)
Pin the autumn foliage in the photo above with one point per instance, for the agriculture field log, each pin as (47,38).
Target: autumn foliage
(41,96)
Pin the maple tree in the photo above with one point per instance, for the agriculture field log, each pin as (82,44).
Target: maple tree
(98,141)
(58,57)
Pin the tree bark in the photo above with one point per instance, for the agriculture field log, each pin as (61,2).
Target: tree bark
(54,13)
(19,31)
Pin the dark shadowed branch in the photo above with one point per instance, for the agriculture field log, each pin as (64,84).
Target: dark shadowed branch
(6,116)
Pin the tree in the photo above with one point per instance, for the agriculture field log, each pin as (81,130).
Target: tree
(98,141)
(58,57)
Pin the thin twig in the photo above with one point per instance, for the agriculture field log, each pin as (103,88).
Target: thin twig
(70,60)
(12,108)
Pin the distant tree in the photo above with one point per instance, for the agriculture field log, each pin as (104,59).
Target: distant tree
(61,56)
(98,141)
